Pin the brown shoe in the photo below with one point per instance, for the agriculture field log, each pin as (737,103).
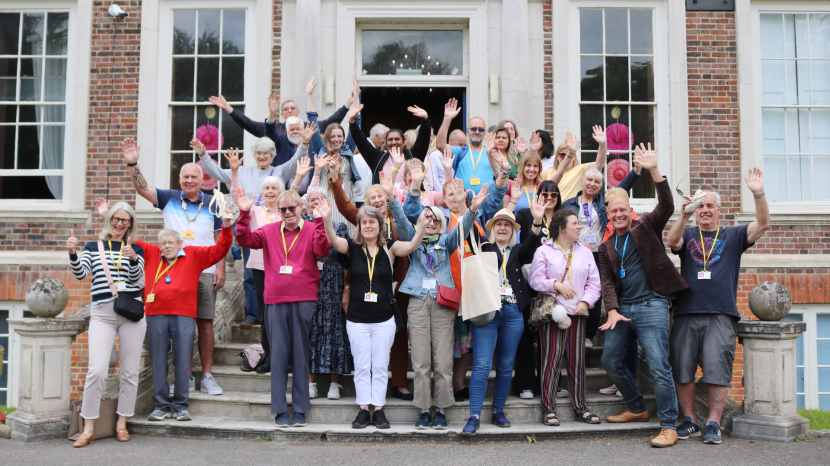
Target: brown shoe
(84,440)
(667,438)
(122,435)
(628,416)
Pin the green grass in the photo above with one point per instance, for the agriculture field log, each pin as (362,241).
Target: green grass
(6,410)
(818,419)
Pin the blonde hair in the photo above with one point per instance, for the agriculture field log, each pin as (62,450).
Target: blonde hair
(107,232)
(616,192)
(530,156)
(290,194)
(412,135)
(556,157)
(371,189)
(492,237)
(509,150)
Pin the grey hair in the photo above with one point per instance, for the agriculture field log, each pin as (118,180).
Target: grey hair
(378,130)
(372,212)
(492,237)
(170,232)
(292,120)
(271,180)
(594,171)
(201,173)
(106,232)
(265,144)
(717,197)
(314,190)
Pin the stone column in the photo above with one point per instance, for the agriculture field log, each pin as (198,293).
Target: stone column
(515,65)
(769,381)
(45,359)
(306,53)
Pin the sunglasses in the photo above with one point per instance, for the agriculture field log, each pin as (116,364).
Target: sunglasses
(563,154)
(288,109)
(549,195)
(477,129)
(287,209)
(433,219)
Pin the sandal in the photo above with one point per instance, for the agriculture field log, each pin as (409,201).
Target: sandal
(587,417)
(551,419)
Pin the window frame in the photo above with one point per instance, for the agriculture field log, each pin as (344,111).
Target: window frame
(16,311)
(809,315)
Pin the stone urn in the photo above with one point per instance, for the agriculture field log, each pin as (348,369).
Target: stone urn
(770,301)
(47,297)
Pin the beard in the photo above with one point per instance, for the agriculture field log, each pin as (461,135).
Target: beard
(295,140)
(476,139)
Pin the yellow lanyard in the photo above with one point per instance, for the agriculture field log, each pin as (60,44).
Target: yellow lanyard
(504,262)
(475,164)
(388,228)
(371,265)
(265,209)
(569,259)
(529,198)
(545,223)
(288,249)
(160,272)
(117,264)
(703,247)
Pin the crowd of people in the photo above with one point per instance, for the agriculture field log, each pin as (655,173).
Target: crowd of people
(356,250)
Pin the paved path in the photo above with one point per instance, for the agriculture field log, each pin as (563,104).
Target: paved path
(160,451)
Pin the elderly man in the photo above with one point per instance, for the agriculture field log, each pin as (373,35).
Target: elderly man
(706,318)
(457,138)
(475,170)
(377,135)
(173,274)
(638,278)
(186,211)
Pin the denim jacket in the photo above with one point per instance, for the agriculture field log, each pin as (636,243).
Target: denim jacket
(413,284)
(599,200)
(412,206)
(317,146)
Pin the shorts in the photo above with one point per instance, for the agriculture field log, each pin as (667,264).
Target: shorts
(206,298)
(707,340)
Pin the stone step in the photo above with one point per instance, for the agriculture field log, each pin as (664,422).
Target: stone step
(257,405)
(230,428)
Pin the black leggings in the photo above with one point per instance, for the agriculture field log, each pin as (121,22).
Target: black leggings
(259,284)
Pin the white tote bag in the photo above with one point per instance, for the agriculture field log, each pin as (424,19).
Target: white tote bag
(479,283)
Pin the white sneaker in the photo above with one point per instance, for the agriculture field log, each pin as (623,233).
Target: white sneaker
(526,394)
(619,394)
(562,393)
(191,386)
(334,391)
(312,390)
(589,343)
(210,386)
(612,390)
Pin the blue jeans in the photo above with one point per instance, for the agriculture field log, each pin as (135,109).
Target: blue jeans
(650,325)
(251,305)
(500,337)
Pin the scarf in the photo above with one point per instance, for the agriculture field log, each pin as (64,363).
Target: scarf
(429,239)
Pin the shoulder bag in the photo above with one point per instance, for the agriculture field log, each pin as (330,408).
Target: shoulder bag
(541,307)
(480,298)
(125,306)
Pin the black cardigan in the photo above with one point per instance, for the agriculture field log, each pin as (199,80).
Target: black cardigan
(258,128)
(376,158)
(521,254)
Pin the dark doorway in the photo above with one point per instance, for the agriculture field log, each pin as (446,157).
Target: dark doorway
(388,105)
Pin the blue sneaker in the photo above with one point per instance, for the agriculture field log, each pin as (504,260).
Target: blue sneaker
(298,420)
(471,427)
(712,435)
(499,420)
(281,420)
(439,422)
(424,420)
(688,429)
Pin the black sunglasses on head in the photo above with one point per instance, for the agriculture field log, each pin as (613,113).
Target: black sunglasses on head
(287,209)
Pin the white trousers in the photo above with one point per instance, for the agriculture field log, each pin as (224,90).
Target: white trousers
(371,344)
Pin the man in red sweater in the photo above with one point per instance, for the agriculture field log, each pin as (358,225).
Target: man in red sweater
(172,273)
(290,250)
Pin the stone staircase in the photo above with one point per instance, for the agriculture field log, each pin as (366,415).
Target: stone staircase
(244,410)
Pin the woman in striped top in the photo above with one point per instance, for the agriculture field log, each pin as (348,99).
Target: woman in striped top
(126,265)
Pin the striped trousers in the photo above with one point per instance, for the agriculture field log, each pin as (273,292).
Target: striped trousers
(555,344)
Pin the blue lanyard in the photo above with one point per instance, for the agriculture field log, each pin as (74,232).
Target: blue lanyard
(625,245)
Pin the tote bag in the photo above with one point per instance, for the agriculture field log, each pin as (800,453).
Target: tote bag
(479,284)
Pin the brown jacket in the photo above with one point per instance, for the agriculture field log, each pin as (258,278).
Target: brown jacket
(647,235)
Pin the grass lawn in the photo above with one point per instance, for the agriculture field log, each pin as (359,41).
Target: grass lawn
(6,410)
(818,419)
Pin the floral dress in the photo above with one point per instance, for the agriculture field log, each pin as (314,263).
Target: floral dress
(330,352)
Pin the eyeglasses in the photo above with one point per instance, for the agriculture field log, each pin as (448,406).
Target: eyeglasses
(288,109)
(434,220)
(477,129)
(168,243)
(287,209)
(125,221)
(549,194)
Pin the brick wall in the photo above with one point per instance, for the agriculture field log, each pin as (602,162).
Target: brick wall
(547,51)
(276,47)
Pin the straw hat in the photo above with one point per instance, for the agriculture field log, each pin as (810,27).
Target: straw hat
(503,214)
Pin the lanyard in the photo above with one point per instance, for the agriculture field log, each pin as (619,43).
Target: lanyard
(703,247)
(288,249)
(260,194)
(118,264)
(506,254)
(529,198)
(569,257)
(475,164)
(160,272)
(545,223)
(265,209)
(184,208)
(625,245)
(371,265)
(590,210)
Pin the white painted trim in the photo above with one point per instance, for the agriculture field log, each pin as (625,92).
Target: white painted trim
(809,315)
(34,258)
(787,219)
(15,309)
(51,213)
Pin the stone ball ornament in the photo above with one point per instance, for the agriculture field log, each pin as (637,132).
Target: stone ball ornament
(770,301)
(47,297)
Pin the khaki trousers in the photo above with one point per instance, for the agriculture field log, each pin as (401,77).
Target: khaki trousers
(431,335)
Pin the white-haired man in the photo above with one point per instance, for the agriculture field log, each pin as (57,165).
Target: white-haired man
(377,135)
(706,318)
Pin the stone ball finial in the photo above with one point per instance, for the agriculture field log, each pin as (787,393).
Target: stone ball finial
(47,297)
(770,301)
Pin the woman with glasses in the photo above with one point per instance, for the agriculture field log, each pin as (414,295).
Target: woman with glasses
(125,261)
(566,172)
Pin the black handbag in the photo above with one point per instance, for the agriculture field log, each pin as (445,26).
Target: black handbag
(125,306)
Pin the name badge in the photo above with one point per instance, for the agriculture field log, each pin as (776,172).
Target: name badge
(467,249)
(150,298)
(591,239)
(705,275)
(506,291)
(430,284)
(320,265)
(120,286)
(370,297)
(286,269)
(622,273)
(475,181)
(188,234)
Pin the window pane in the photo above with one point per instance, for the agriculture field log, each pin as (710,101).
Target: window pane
(799,342)
(799,177)
(9,33)
(789,36)
(642,124)
(616,80)
(183,79)
(822,329)
(182,131)
(233,78)
(207,119)
(7,140)
(31,71)
(55,80)
(819,36)
(233,32)
(413,52)
(590,115)
(207,78)
(4,328)
(823,347)
(824,402)
(792,83)
(8,113)
(776,184)
(32,34)
(176,163)
(57,33)
(590,31)
(793,133)
(821,135)
(54,113)
(28,114)
(29,187)
(592,79)
(642,79)
(773,122)
(28,149)
(616,31)
(209,31)
(53,147)
(8,79)
(232,133)
(772,36)
(799,380)
(184,32)
(821,173)
(773,81)
(642,41)
(803,76)
(801,38)
(821,82)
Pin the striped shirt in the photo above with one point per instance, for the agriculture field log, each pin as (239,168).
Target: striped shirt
(130,272)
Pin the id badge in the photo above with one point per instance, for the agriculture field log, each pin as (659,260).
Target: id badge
(370,297)
(475,181)
(622,273)
(320,265)
(286,269)
(120,286)
(591,239)
(704,275)
(467,249)
(150,298)
(506,291)
(188,234)
(430,284)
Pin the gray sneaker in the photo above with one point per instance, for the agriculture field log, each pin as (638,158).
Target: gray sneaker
(191,387)
(159,415)
(183,415)
(210,386)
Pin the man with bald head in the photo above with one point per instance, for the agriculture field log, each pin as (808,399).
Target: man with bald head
(458,138)
(472,163)
(186,211)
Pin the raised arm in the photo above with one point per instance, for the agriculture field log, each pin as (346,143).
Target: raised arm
(344,205)
(405,229)
(210,166)
(451,110)
(287,170)
(341,245)
(573,145)
(661,214)
(244,236)
(405,248)
(254,127)
(755,183)
(450,240)
(370,154)
(130,153)
(602,153)
(421,146)
(675,239)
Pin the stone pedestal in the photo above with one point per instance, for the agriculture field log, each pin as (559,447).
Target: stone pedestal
(45,360)
(769,382)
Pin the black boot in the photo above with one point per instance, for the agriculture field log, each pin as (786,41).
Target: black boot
(264,367)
